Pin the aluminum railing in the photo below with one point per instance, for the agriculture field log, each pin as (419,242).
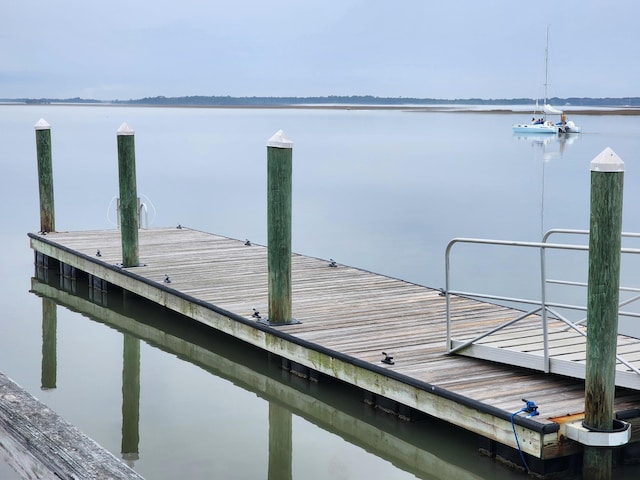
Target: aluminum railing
(143,214)
(542,306)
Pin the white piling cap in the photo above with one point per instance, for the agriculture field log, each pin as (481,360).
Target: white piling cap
(125,130)
(279,140)
(42,125)
(607,161)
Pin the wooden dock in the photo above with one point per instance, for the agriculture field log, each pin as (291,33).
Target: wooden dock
(348,318)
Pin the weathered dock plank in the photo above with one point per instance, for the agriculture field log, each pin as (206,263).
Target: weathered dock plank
(40,444)
(348,318)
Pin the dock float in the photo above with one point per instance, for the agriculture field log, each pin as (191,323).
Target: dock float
(380,334)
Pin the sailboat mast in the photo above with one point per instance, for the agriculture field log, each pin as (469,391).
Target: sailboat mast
(546,68)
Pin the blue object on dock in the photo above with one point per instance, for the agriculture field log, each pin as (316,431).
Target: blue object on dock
(532,410)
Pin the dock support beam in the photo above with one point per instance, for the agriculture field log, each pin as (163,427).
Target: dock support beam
(279,187)
(128,196)
(45,176)
(607,174)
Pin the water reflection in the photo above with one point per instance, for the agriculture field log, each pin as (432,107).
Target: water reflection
(280,442)
(49,343)
(546,148)
(97,294)
(550,146)
(431,452)
(130,399)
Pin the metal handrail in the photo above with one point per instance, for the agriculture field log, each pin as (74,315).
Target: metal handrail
(569,231)
(568,306)
(143,220)
(543,306)
(574,325)
(142,207)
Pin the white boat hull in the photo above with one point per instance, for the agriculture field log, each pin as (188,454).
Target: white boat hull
(546,128)
(536,128)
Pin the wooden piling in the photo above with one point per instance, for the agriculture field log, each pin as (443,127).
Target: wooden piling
(607,174)
(45,176)
(128,196)
(279,188)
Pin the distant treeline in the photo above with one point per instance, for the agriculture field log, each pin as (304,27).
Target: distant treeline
(200,100)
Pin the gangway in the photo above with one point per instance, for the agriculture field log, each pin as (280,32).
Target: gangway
(541,337)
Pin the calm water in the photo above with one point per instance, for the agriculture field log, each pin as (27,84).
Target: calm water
(380,190)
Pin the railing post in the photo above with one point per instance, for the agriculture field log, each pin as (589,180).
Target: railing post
(128,196)
(607,174)
(543,304)
(447,273)
(279,186)
(45,176)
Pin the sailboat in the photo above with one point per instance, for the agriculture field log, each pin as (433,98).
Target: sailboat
(542,125)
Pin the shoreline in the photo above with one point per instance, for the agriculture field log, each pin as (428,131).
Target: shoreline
(408,108)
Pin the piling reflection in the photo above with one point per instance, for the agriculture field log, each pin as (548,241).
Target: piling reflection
(130,399)
(49,343)
(280,442)
(428,451)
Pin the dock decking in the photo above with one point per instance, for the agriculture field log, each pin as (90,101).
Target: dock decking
(348,318)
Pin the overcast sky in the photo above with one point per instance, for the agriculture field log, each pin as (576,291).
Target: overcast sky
(402,48)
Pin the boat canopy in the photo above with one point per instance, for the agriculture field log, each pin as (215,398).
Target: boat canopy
(549,110)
